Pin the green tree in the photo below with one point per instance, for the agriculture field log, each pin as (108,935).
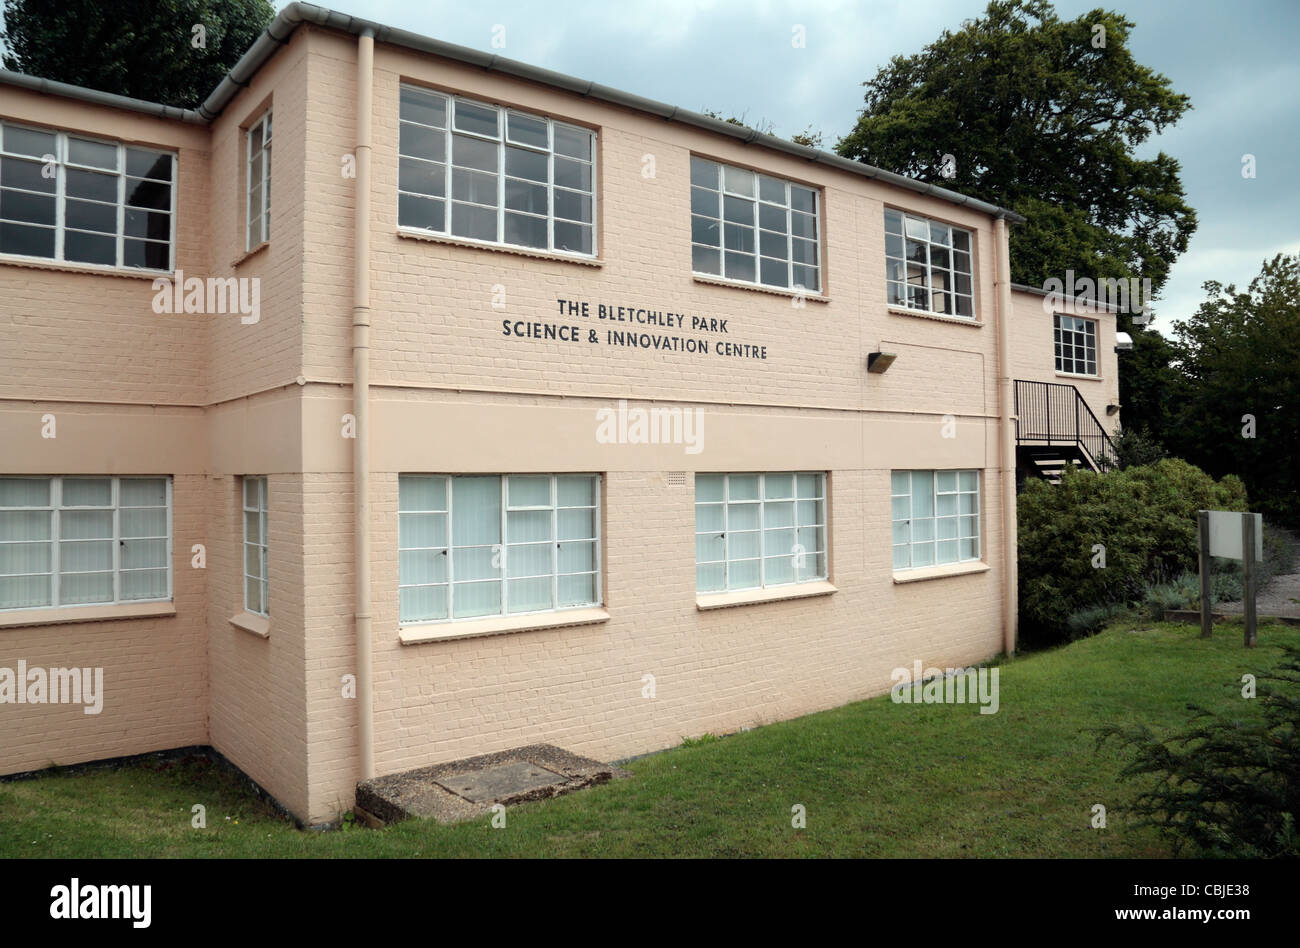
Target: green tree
(1043,116)
(1240,355)
(146,49)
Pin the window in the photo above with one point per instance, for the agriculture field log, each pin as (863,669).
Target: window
(78,541)
(1076,345)
(259,182)
(83,200)
(503,177)
(927,265)
(758,530)
(485,546)
(753,228)
(936,517)
(255,546)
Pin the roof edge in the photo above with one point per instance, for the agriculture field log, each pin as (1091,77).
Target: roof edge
(96,97)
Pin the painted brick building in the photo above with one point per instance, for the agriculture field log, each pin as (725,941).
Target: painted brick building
(404,403)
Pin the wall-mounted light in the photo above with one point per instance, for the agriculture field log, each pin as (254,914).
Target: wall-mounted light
(878,362)
(1123,342)
(1112,409)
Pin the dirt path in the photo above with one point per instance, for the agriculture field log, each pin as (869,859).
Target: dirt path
(1281,597)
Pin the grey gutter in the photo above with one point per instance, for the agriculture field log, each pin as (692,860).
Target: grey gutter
(1022,288)
(288,19)
(94,96)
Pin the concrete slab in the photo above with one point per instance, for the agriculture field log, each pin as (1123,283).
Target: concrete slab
(463,789)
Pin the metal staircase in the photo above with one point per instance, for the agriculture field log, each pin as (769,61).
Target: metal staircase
(1055,427)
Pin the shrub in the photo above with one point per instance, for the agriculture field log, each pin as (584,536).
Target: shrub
(1183,593)
(1134,448)
(1145,517)
(1092,619)
(1229,784)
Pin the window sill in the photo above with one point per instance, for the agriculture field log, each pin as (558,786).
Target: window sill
(499,625)
(940,572)
(940,317)
(249,254)
(812,297)
(251,622)
(410,234)
(1076,375)
(41,263)
(744,597)
(67,614)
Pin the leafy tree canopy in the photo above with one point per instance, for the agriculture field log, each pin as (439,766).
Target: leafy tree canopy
(146,49)
(1239,355)
(1043,116)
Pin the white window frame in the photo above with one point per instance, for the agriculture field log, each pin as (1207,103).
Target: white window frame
(928,289)
(55,508)
(504,578)
(1082,333)
(263,186)
(758,201)
(62,163)
(910,543)
(820,559)
(262,543)
(503,141)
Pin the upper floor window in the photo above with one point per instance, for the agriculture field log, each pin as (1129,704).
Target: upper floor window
(473,546)
(936,517)
(82,200)
(256,578)
(753,228)
(259,182)
(928,265)
(759,530)
(495,175)
(1076,345)
(79,541)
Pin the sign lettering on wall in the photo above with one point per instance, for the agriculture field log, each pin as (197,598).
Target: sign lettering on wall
(635,327)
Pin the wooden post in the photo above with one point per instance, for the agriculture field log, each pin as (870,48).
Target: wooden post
(1203,525)
(1248,574)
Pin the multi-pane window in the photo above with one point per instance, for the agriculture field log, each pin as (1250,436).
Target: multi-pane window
(496,175)
(758,530)
(77,541)
(928,265)
(84,200)
(255,574)
(1076,345)
(754,228)
(259,182)
(497,545)
(936,517)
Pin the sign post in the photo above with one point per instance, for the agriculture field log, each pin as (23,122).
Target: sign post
(1234,536)
(1248,575)
(1207,620)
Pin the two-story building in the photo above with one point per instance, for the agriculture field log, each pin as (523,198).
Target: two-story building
(403,403)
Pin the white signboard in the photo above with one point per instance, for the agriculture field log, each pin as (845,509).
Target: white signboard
(1225,534)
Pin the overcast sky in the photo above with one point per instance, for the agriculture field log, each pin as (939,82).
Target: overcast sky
(1236,60)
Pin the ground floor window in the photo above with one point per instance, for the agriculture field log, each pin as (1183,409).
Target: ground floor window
(936,517)
(256,583)
(474,545)
(78,541)
(758,530)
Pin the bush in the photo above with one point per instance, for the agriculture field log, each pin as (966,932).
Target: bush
(1092,619)
(1183,593)
(1144,517)
(1228,785)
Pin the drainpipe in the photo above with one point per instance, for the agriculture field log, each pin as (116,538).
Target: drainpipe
(1006,436)
(361,403)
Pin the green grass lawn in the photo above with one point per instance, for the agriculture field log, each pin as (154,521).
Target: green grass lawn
(876,778)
